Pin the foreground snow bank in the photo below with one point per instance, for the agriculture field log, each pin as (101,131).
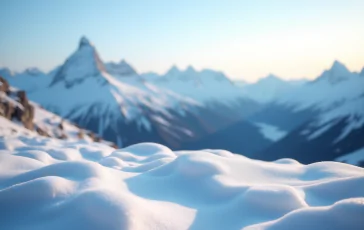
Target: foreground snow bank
(52,184)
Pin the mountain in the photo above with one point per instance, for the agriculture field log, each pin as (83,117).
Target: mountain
(354,158)
(328,136)
(129,110)
(212,89)
(240,83)
(150,76)
(334,87)
(121,69)
(241,137)
(27,118)
(329,115)
(84,92)
(30,80)
(270,88)
(57,184)
(203,86)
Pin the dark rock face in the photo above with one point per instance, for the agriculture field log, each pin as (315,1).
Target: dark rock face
(4,85)
(6,108)
(26,114)
(15,105)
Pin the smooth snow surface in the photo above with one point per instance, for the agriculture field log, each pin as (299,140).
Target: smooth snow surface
(271,132)
(53,184)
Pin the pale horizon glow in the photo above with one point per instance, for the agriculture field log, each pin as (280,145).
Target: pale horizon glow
(244,40)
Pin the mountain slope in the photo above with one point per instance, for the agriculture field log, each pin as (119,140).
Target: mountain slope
(334,87)
(270,88)
(44,123)
(83,91)
(129,110)
(207,86)
(241,137)
(334,133)
(30,80)
(121,69)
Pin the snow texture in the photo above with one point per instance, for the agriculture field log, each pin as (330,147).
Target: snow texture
(53,184)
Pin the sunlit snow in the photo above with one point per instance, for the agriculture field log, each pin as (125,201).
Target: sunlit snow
(53,184)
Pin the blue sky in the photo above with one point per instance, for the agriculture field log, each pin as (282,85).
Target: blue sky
(245,39)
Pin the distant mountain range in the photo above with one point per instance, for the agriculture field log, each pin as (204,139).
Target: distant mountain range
(271,88)
(314,120)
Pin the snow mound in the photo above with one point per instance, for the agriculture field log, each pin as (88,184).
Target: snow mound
(55,184)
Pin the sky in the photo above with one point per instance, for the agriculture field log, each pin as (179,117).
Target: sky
(244,39)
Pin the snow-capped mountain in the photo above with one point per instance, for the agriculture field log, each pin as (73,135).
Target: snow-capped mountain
(270,88)
(206,86)
(334,119)
(240,83)
(202,109)
(30,80)
(83,91)
(121,69)
(354,158)
(129,110)
(334,87)
(44,123)
(362,72)
(333,133)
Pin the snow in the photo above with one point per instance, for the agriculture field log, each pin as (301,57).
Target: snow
(332,88)
(320,130)
(270,88)
(121,69)
(7,128)
(82,88)
(49,122)
(53,184)
(205,87)
(271,132)
(352,111)
(30,79)
(354,158)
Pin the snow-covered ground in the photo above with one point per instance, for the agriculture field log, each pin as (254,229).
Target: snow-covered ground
(53,184)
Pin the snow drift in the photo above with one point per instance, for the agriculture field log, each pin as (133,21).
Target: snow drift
(54,184)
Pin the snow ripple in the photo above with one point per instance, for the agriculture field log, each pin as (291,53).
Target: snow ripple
(57,185)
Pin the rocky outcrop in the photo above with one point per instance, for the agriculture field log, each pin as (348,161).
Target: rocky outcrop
(15,105)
